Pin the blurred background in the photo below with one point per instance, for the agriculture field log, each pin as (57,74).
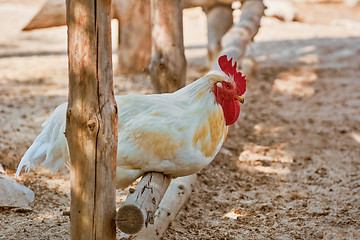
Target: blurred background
(290,168)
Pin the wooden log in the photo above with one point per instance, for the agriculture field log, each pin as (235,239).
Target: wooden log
(91,125)
(175,197)
(168,64)
(235,41)
(134,44)
(219,21)
(51,14)
(140,205)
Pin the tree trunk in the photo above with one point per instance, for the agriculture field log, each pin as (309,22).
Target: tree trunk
(91,127)
(134,42)
(168,64)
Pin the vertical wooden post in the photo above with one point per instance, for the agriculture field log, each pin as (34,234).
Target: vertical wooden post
(134,46)
(91,125)
(219,21)
(168,64)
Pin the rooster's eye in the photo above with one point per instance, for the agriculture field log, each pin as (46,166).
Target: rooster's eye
(227,85)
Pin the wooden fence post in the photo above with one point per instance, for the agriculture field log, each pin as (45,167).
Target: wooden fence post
(134,40)
(219,21)
(168,64)
(91,124)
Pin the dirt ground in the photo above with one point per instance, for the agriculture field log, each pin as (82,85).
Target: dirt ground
(290,168)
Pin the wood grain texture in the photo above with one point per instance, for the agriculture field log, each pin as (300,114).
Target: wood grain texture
(91,129)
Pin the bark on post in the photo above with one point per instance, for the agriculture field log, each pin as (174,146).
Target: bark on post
(91,126)
(219,21)
(168,64)
(134,40)
(235,41)
(140,205)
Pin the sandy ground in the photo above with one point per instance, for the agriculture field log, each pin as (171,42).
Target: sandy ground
(290,168)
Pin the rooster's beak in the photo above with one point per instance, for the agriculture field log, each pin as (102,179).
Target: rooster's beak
(241,99)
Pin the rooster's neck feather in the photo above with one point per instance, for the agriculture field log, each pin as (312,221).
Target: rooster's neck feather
(200,91)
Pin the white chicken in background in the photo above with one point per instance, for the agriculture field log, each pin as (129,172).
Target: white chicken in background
(177,133)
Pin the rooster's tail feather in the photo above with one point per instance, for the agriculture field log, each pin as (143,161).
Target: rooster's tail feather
(51,142)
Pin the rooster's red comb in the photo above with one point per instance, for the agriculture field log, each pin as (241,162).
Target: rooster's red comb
(230,70)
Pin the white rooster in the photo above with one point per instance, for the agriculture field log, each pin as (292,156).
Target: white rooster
(177,133)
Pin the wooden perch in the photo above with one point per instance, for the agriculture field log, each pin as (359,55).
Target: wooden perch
(175,197)
(241,33)
(140,205)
